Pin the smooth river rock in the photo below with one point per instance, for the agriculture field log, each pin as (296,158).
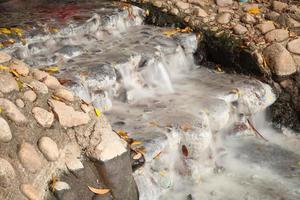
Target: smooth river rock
(279,60)
(12,111)
(30,158)
(8,83)
(277,35)
(7,173)
(20,67)
(30,192)
(5,133)
(30,96)
(49,148)
(39,87)
(64,94)
(43,117)
(4,57)
(294,46)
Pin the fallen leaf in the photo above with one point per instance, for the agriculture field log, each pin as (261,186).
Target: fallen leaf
(147,12)
(97,112)
(157,155)
(253,11)
(123,134)
(20,84)
(154,123)
(218,68)
(3,67)
(53,183)
(51,69)
(98,191)
(184,150)
(5,31)
(15,73)
(163,173)
(141,150)
(135,142)
(1,110)
(56,98)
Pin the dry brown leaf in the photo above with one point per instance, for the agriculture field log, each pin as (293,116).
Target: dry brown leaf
(185,151)
(137,156)
(98,191)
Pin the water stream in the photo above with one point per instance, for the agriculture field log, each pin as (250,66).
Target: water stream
(192,121)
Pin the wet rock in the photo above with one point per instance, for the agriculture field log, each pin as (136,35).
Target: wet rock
(49,148)
(64,94)
(279,59)
(224,3)
(5,133)
(20,67)
(30,96)
(266,27)
(7,174)
(294,46)
(277,35)
(224,18)
(43,117)
(39,87)
(248,19)
(4,57)
(239,29)
(272,16)
(30,158)
(67,116)
(29,191)
(8,83)
(279,6)
(11,111)
(20,103)
(39,75)
(60,189)
(70,51)
(52,82)
(182,5)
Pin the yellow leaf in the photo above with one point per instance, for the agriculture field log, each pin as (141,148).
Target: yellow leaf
(163,173)
(20,84)
(123,134)
(98,191)
(147,12)
(56,98)
(98,112)
(1,45)
(15,73)
(157,155)
(218,68)
(51,69)
(135,142)
(17,30)
(3,67)
(1,110)
(5,31)
(170,33)
(53,183)
(137,156)
(253,11)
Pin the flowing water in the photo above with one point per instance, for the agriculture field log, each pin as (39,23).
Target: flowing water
(197,125)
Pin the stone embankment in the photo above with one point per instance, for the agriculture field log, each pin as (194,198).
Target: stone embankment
(46,131)
(253,37)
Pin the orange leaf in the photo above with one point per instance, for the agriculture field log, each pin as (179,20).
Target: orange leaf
(98,191)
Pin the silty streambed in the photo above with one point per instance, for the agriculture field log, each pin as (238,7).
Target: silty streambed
(192,121)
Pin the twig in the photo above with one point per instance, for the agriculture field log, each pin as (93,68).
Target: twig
(255,130)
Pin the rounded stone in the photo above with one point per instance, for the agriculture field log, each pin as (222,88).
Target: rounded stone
(7,173)
(277,35)
(39,75)
(39,87)
(12,111)
(30,158)
(20,67)
(224,3)
(52,82)
(64,94)
(294,46)
(43,117)
(239,29)
(8,83)
(30,96)
(29,191)
(20,103)
(5,133)
(224,18)
(49,148)
(4,57)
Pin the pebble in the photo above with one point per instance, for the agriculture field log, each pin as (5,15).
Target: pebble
(294,46)
(239,29)
(60,186)
(266,27)
(20,103)
(4,57)
(12,111)
(30,96)
(39,87)
(277,35)
(20,67)
(52,82)
(248,19)
(64,94)
(5,133)
(7,173)
(38,74)
(224,3)
(8,83)
(158,3)
(279,60)
(74,164)
(30,158)
(49,148)
(297,61)
(182,5)
(201,13)
(29,191)
(279,6)
(67,116)
(224,18)
(43,117)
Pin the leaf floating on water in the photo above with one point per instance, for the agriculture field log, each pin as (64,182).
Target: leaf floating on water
(185,151)
(98,191)
(52,69)
(97,112)
(123,134)
(253,11)
(5,31)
